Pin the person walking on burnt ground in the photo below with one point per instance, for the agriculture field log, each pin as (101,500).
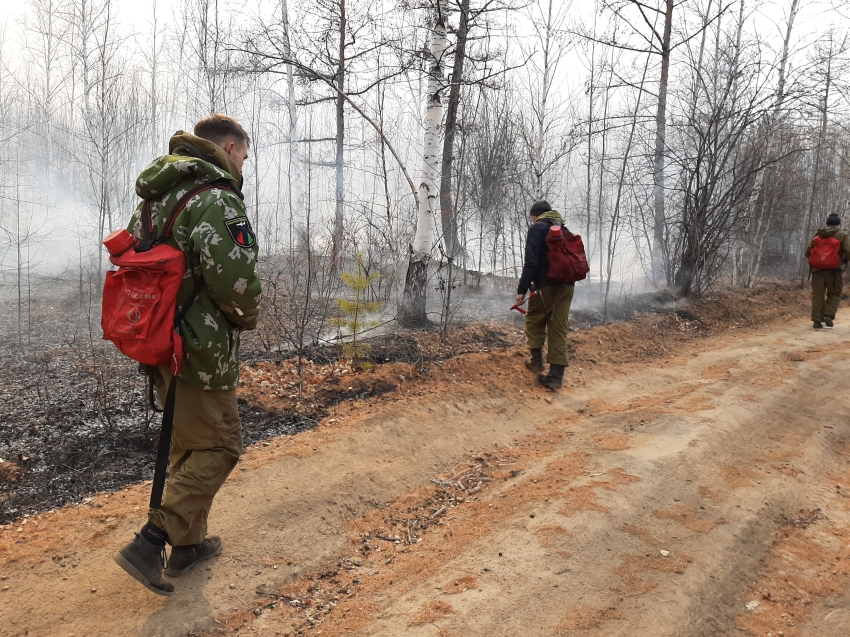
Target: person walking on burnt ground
(828,252)
(220,250)
(549,304)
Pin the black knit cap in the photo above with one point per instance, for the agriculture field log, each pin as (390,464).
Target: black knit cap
(539,207)
(833,219)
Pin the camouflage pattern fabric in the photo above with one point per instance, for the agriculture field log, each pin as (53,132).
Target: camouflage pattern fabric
(215,235)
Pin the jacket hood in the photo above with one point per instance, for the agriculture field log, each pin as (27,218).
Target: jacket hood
(828,231)
(552,215)
(189,155)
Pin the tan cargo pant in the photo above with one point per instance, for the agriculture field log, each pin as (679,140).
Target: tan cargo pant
(206,443)
(549,313)
(827,286)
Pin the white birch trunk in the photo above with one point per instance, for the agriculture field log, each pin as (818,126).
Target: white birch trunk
(423,240)
(412,311)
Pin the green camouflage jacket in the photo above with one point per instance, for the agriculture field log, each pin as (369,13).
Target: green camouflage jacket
(220,248)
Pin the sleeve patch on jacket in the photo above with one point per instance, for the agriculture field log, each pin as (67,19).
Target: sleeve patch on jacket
(240,231)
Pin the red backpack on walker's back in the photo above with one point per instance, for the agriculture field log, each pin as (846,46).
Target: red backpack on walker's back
(567,260)
(140,297)
(826,254)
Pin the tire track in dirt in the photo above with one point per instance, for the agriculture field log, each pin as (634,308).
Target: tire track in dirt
(711,604)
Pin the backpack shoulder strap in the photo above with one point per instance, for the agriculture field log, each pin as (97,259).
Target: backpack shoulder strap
(183,201)
(145,218)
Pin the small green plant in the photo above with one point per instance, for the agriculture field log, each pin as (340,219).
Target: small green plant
(356,310)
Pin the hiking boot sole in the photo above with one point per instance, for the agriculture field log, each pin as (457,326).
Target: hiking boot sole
(539,367)
(173,572)
(137,575)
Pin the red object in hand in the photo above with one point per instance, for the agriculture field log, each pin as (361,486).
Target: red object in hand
(518,306)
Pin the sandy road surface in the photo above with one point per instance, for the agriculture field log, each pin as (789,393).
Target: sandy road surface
(733,458)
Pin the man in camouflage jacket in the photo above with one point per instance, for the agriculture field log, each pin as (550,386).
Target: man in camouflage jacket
(221,256)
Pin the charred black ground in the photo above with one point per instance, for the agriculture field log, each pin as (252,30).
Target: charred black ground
(74,414)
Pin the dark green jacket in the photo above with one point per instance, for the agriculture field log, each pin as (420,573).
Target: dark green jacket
(220,249)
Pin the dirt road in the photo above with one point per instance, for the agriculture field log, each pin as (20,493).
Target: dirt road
(646,499)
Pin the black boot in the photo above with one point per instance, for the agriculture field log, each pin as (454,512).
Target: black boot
(554,379)
(144,560)
(183,558)
(828,321)
(536,362)
(817,325)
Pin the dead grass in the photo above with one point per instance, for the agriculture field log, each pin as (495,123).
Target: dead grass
(586,497)
(697,403)
(612,442)
(547,534)
(35,539)
(584,618)
(721,370)
(803,565)
(640,563)
(431,612)
(461,584)
(710,495)
(637,586)
(639,532)
(687,516)
(739,477)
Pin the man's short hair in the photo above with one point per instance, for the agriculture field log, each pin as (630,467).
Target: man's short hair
(219,128)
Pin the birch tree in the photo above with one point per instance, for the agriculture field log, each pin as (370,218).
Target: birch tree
(412,311)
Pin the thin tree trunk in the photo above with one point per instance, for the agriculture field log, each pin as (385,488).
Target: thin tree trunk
(821,138)
(659,267)
(447,213)
(297,196)
(340,139)
(773,118)
(615,215)
(412,311)
(599,195)
(591,90)
(540,191)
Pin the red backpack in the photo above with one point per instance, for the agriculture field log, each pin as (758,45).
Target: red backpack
(567,260)
(826,254)
(140,297)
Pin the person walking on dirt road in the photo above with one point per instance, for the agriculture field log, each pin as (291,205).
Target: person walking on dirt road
(829,248)
(549,304)
(221,256)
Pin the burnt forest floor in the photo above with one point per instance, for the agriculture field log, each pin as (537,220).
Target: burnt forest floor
(74,418)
